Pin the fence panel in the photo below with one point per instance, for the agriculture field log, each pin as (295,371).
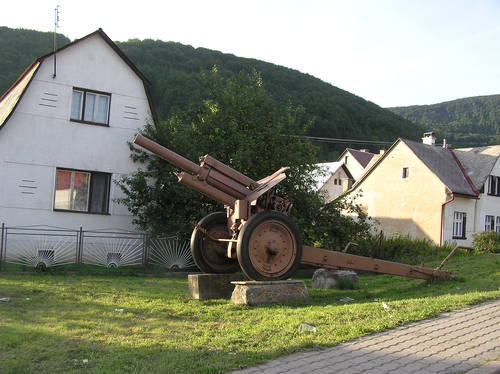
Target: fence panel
(39,247)
(112,249)
(171,253)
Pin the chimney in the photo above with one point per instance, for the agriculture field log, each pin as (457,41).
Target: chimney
(364,150)
(429,138)
(381,152)
(444,144)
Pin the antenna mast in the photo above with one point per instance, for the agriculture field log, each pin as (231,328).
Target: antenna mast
(56,25)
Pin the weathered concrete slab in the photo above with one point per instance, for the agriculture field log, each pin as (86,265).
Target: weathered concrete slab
(257,293)
(212,286)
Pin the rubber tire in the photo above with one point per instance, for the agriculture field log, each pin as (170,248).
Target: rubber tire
(242,249)
(198,251)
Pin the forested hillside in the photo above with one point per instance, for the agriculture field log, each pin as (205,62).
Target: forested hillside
(18,49)
(174,68)
(473,121)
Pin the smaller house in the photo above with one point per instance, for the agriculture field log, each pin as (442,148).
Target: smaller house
(343,173)
(433,192)
(334,180)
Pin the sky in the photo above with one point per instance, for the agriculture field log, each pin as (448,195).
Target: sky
(390,52)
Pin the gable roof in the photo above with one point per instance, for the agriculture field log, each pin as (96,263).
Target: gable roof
(445,165)
(478,162)
(363,158)
(10,99)
(463,171)
(329,169)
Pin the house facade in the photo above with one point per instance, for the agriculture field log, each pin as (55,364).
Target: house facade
(335,180)
(64,128)
(433,193)
(342,174)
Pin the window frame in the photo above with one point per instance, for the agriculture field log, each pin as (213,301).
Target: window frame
(405,172)
(83,102)
(459,222)
(491,226)
(89,192)
(493,185)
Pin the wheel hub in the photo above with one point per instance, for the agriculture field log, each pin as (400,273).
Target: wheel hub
(272,248)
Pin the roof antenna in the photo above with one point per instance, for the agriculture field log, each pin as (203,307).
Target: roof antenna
(56,25)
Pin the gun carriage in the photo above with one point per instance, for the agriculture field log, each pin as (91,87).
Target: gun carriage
(256,233)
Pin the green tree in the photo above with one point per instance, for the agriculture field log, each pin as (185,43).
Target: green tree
(239,124)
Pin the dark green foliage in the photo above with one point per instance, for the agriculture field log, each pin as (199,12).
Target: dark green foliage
(398,248)
(238,124)
(331,226)
(19,48)
(173,69)
(486,242)
(473,121)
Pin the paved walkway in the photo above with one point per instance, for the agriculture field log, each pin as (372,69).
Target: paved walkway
(463,341)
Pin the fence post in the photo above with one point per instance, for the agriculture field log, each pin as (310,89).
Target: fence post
(2,236)
(145,250)
(80,246)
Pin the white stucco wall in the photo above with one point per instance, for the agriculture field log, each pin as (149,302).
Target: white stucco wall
(330,189)
(467,206)
(476,210)
(487,205)
(38,138)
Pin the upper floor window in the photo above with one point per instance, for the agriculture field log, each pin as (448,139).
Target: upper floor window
(82,191)
(405,173)
(494,185)
(90,106)
(489,223)
(459,225)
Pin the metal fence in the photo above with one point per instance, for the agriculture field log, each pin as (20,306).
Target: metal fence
(47,246)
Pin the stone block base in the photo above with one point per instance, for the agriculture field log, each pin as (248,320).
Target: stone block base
(257,293)
(212,286)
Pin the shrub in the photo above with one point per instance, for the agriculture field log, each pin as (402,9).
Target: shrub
(397,248)
(486,242)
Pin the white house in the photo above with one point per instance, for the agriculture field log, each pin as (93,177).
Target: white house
(64,127)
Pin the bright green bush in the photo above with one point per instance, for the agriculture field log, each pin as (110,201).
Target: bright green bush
(486,242)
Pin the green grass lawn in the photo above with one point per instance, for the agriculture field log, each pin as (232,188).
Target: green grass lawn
(68,324)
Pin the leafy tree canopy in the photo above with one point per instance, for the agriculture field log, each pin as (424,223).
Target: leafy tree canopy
(239,124)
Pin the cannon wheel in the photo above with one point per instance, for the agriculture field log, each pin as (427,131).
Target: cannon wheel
(269,246)
(208,254)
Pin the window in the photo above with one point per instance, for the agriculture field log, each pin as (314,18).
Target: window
(498,225)
(82,191)
(406,172)
(459,224)
(90,106)
(494,185)
(489,223)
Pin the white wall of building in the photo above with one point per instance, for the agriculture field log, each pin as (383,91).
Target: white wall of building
(39,137)
(462,205)
(487,204)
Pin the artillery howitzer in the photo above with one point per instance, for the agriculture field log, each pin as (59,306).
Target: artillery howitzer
(255,233)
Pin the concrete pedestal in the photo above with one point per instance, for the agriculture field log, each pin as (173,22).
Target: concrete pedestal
(257,293)
(212,286)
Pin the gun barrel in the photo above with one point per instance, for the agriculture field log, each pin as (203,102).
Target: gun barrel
(167,154)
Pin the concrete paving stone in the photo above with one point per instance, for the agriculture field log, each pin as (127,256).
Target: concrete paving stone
(492,367)
(454,342)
